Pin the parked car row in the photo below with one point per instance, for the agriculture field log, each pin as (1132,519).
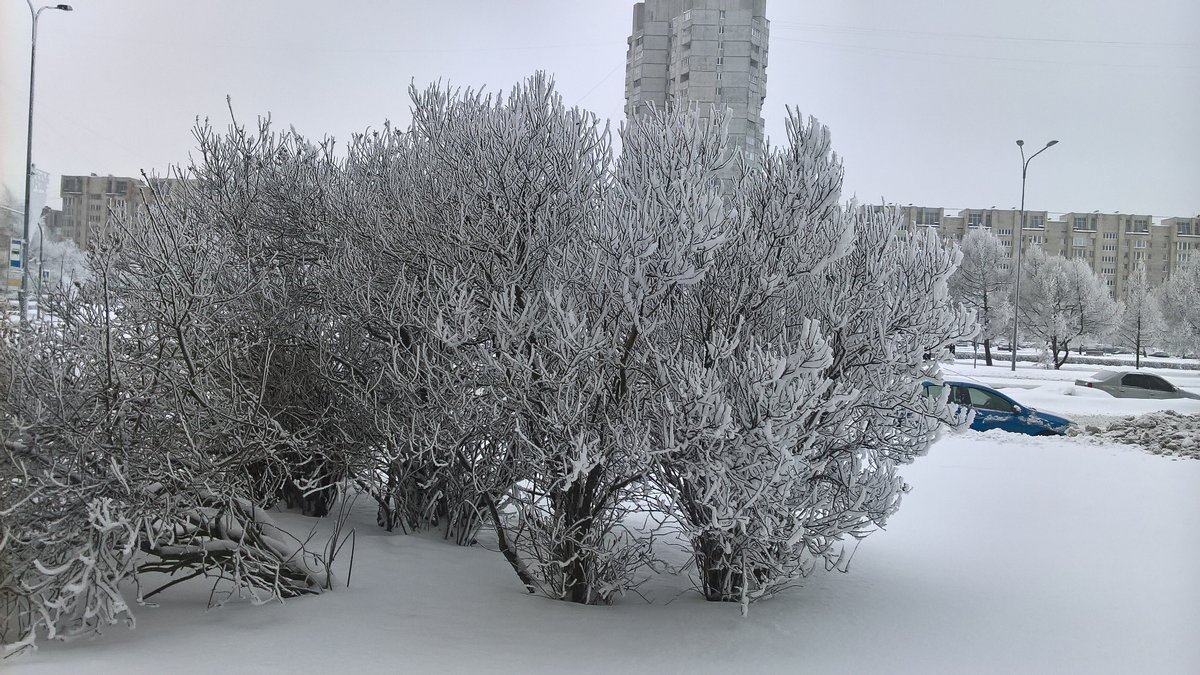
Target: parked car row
(994,410)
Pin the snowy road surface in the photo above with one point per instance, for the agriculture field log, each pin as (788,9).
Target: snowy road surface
(1011,555)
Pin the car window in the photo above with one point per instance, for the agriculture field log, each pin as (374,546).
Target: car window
(959,395)
(1157,383)
(1133,380)
(988,401)
(933,390)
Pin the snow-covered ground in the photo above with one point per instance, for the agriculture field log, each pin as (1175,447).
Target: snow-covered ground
(1012,554)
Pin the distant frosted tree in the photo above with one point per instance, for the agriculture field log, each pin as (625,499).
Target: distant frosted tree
(1181,305)
(1142,321)
(983,283)
(1063,302)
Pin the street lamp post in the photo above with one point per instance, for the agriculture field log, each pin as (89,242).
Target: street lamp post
(1019,241)
(24,292)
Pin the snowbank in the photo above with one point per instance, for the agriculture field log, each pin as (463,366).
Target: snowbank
(1163,433)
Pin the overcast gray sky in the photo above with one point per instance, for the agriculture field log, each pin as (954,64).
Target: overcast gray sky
(925,98)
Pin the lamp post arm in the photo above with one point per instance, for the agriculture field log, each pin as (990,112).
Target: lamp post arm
(1036,154)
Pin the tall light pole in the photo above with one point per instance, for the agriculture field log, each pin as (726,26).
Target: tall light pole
(1019,240)
(24,292)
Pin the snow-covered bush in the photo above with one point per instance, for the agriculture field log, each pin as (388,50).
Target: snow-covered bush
(480,319)
(793,380)
(137,438)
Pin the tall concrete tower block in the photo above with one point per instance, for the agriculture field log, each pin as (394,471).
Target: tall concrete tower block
(702,53)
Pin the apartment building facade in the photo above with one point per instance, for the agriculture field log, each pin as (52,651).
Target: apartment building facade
(90,203)
(1111,243)
(702,54)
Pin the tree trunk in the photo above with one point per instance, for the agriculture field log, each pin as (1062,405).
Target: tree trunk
(1066,351)
(720,579)
(987,351)
(578,565)
(1137,348)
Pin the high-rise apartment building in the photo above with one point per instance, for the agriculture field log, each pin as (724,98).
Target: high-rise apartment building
(701,53)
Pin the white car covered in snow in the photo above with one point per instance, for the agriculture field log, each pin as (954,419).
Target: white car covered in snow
(1133,384)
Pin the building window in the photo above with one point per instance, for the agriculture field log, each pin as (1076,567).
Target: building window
(1110,235)
(1140,243)
(1080,242)
(687,16)
(1139,225)
(1080,222)
(1184,227)
(1004,232)
(974,219)
(1109,259)
(1109,247)
(1036,222)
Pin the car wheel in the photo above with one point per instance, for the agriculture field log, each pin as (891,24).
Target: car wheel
(1048,432)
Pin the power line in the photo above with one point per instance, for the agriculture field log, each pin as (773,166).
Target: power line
(792,25)
(984,57)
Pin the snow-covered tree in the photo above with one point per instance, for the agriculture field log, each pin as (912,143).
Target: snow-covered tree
(1141,320)
(1181,305)
(983,283)
(63,262)
(1064,302)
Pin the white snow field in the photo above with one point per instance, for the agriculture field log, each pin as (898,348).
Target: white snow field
(1012,554)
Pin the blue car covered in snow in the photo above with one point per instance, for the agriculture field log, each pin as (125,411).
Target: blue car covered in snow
(994,410)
